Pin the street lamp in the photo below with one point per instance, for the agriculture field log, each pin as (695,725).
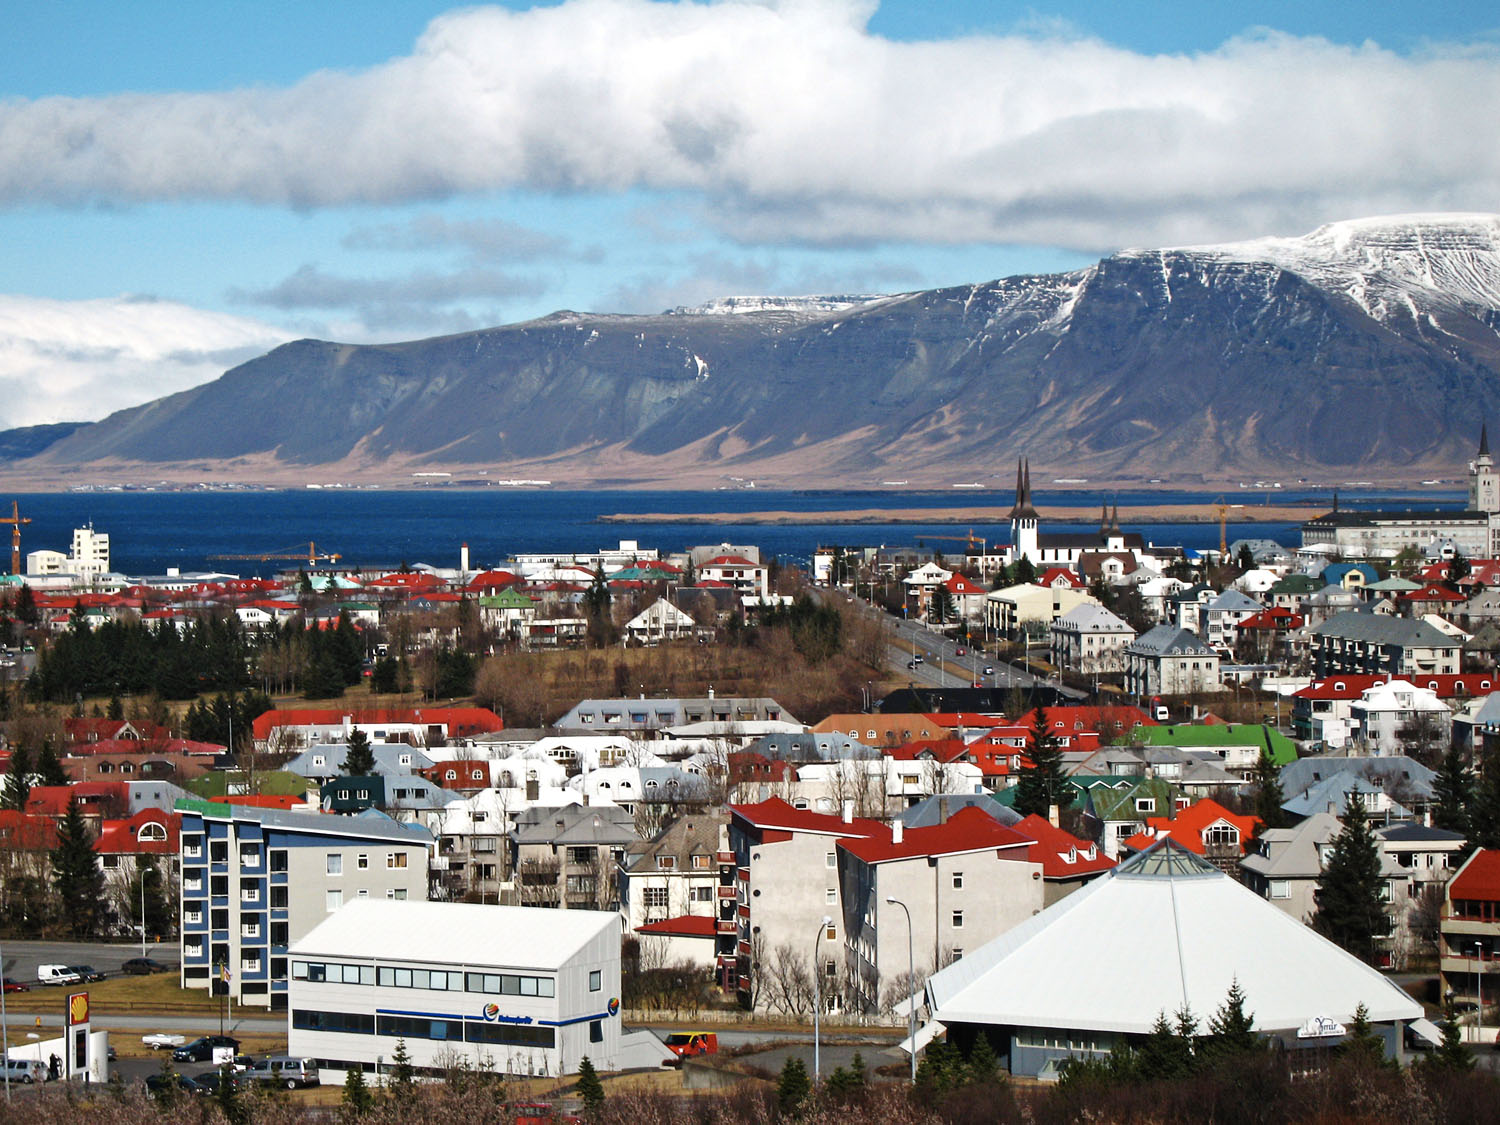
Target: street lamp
(143,910)
(818,1000)
(911,983)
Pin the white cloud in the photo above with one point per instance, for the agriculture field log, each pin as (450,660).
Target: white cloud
(795,123)
(68,361)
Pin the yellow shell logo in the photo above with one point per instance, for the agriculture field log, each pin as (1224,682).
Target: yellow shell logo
(78,1008)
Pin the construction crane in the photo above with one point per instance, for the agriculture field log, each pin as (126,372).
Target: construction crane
(310,555)
(1222,510)
(15,519)
(970,539)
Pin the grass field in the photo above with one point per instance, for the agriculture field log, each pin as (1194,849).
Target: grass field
(120,996)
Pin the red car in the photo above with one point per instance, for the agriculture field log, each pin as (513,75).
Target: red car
(10,984)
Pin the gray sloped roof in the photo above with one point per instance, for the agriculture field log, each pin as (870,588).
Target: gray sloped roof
(809,747)
(575,824)
(1169,640)
(938,809)
(1375,629)
(1332,795)
(1396,769)
(1232,600)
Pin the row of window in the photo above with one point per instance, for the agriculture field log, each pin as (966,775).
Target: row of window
(423,1027)
(393,861)
(660,897)
(435,980)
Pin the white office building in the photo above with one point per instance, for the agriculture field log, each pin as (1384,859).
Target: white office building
(508,989)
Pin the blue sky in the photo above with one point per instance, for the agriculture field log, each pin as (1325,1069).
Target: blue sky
(185,184)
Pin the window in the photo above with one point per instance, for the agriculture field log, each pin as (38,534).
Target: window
(831,934)
(192,914)
(362,893)
(1280,888)
(157,832)
(193,947)
(249,892)
(666,862)
(1145,804)
(249,853)
(335,863)
(654,896)
(702,862)
(334,900)
(831,859)
(250,929)
(362,862)
(958,880)
(958,919)
(830,896)
(596,980)
(395,860)
(596,1031)
(278,860)
(701,894)
(250,963)
(192,847)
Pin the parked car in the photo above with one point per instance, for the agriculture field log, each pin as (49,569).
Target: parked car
(142,966)
(687,1044)
(162,1040)
(156,1083)
(960,651)
(23,1070)
(285,1070)
(57,974)
(202,1049)
(989,669)
(912,665)
(10,984)
(214,1078)
(87,972)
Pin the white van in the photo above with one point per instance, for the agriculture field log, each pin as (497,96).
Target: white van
(57,974)
(284,1070)
(26,1071)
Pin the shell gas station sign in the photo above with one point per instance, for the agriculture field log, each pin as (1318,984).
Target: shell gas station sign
(77,1050)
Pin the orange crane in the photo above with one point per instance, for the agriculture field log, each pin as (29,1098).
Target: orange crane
(291,553)
(1222,510)
(15,519)
(970,539)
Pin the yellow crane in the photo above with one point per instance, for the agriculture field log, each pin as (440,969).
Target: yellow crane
(310,555)
(15,519)
(970,539)
(1221,509)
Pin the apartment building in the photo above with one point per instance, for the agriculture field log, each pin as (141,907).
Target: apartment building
(254,880)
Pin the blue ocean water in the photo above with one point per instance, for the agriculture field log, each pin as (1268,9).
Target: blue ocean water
(151,531)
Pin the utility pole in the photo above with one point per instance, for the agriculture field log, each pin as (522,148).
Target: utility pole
(15,519)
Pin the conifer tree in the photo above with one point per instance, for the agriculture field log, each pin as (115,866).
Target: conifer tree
(1350,910)
(1043,782)
(18,779)
(590,1089)
(859,1075)
(1454,789)
(1164,1054)
(401,1079)
(1454,1054)
(1361,1044)
(49,770)
(227,1095)
(984,1067)
(1269,796)
(793,1086)
(76,874)
(1484,807)
(358,1100)
(1230,1029)
(359,761)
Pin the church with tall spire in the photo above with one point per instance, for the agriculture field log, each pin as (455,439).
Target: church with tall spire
(1061,548)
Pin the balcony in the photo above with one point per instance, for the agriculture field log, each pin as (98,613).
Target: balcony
(439,863)
(726,926)
(728,892)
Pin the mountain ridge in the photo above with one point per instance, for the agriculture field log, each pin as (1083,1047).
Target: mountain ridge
(1367,345)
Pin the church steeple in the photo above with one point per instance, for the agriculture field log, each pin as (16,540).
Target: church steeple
(1022,509)
(1023,518)
(1484,440)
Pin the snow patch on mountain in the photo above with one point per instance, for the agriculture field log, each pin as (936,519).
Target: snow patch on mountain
(740,306)
(1385,265)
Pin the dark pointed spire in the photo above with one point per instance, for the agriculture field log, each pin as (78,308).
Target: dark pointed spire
(1023,509)
(1114,519)
(1103,518)
(1484,440)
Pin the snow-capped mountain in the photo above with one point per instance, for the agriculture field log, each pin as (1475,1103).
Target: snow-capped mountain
(1369,345)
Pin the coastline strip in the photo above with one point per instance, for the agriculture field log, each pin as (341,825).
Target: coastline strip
(1145,513)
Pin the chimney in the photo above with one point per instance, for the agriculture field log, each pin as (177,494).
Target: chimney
(848,812)
(710,693)
(1053,816)
(943,809)
(898,831)
(463,559)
